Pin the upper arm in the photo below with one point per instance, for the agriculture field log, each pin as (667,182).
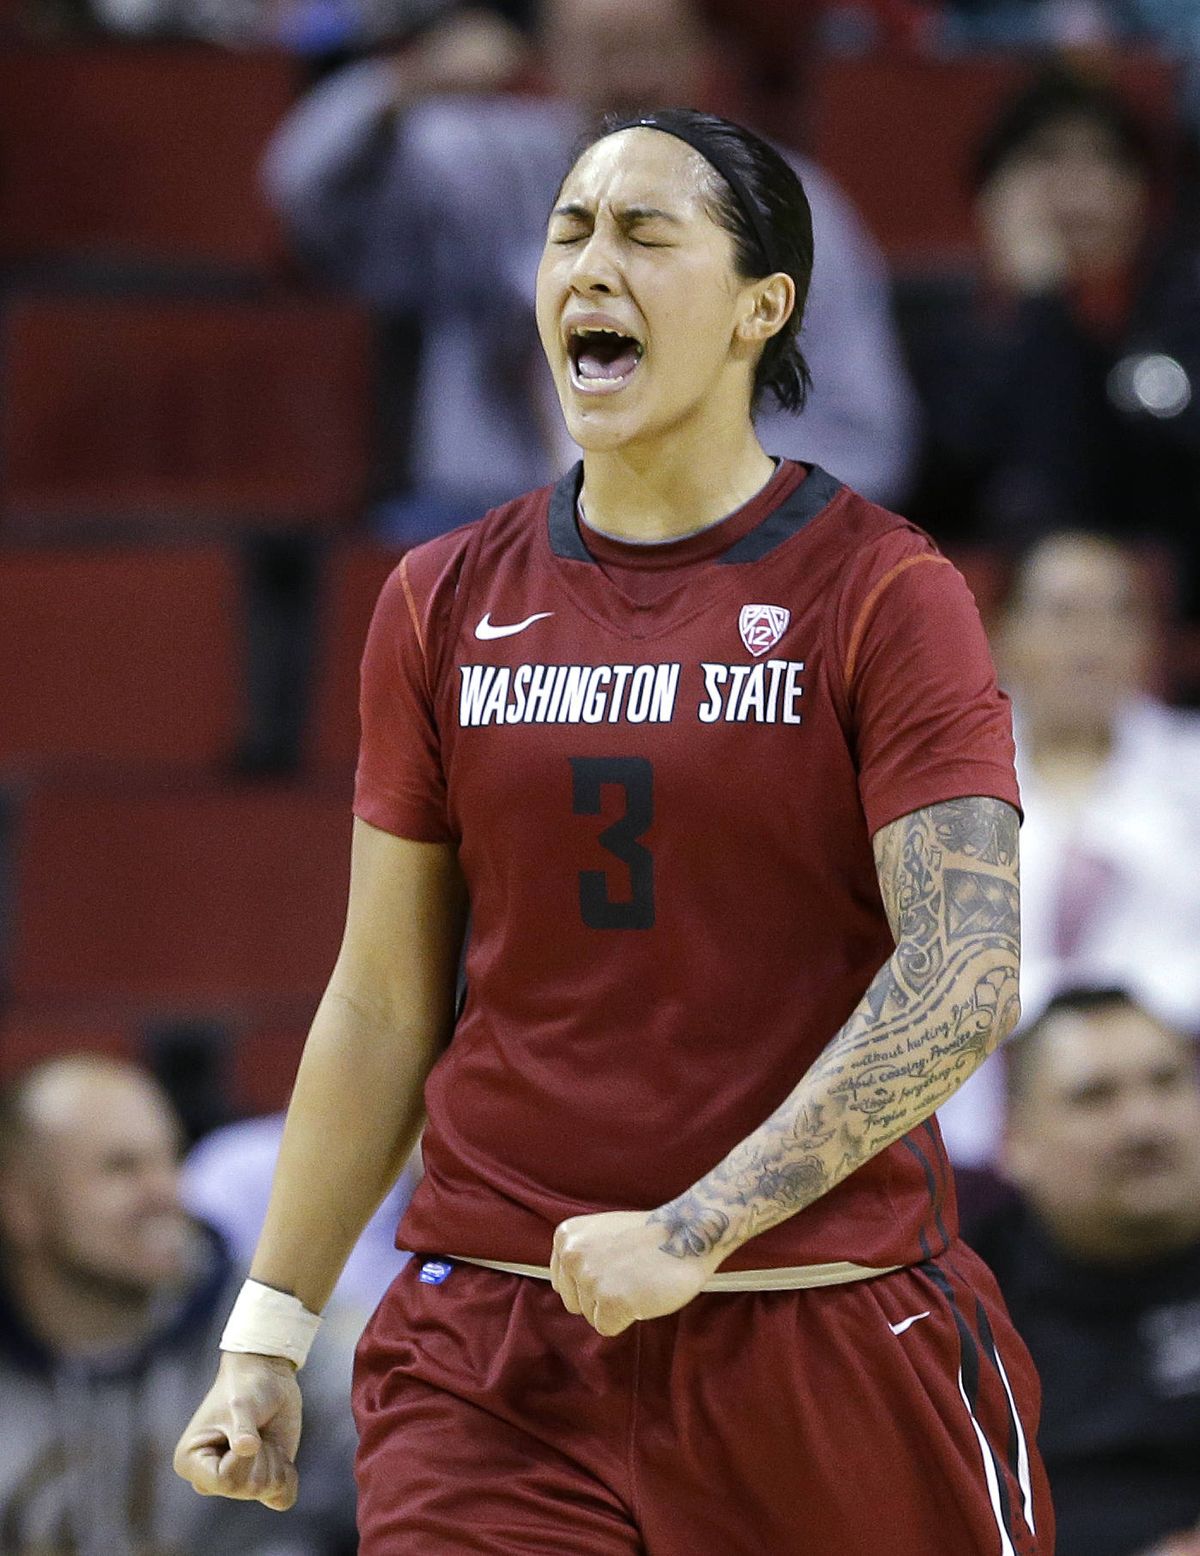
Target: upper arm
(927,722)
(404,929)
(948,875)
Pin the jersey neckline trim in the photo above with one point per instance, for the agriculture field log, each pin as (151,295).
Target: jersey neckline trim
(796,512)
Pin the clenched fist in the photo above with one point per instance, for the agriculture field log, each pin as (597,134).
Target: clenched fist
(612,1270)
(242,1441)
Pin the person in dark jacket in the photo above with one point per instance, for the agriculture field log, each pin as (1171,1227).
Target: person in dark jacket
(111,1303)
(1062,388)
(1099,1260)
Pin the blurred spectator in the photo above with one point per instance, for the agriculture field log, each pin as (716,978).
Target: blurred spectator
(227,1183)
(1031,24)
(1169,27)
(411,183)
(308,26)
(1099,1262)
(1065,388)
(111,1306)
(1110,782)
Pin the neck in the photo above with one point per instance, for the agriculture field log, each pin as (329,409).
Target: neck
(74,1319)
(661,494)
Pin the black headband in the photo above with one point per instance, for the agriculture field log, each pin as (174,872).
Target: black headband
(712,154)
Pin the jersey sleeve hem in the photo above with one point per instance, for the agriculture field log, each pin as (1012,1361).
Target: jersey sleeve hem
(967,782)
(391,814)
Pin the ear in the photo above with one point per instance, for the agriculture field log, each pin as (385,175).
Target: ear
(768,307)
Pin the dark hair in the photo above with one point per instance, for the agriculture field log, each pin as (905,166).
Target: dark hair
(1078,999)
(1054,94)
(759,200)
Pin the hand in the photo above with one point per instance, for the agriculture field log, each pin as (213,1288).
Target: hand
(1024,247)
(612,1270)
(242,1441)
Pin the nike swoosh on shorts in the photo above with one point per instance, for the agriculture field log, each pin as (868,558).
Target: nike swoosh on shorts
(485,629)
(907,1323)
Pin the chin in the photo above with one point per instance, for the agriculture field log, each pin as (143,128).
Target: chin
(1153,1218)
(600,434)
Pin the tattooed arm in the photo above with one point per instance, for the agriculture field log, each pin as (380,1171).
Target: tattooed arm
(942,1002)
(945,998)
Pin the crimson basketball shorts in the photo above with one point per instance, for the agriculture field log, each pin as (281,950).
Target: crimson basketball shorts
(896,1415)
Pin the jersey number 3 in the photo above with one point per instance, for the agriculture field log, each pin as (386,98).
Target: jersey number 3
(635,775)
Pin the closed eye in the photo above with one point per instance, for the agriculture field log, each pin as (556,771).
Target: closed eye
(642,243)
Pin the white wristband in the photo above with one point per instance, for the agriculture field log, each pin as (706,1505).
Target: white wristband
(270,1323)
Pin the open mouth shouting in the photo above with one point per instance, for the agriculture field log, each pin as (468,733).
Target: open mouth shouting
(602,357)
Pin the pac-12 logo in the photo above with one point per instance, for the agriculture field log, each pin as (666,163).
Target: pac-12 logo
(762,626)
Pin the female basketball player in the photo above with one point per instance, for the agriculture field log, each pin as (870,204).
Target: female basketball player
(713,749)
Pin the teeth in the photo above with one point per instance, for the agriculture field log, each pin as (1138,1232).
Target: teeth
(579,334)
(584,331)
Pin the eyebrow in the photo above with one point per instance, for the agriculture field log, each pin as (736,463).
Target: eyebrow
(627,216)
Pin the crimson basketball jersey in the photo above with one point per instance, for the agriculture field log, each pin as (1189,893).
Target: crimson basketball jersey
(662,767)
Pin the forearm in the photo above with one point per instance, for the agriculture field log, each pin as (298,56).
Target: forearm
(943,1001)
(354,1117)
(880,1077)
(358,1101)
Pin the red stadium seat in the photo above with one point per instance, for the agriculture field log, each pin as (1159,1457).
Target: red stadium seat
(123,656)
(173,898)
(898,132)
(145,152)
(264,1058)
(157,412)
(264,1066)
(354,579)
(30,1034)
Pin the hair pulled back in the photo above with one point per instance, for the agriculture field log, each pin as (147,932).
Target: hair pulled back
(759,200)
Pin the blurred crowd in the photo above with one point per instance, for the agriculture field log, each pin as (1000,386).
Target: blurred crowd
(1034,403)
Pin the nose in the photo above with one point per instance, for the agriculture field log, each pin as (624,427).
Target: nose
(596,272)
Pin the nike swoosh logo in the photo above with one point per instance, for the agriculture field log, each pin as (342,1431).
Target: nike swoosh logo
(907,1323)
(485,629)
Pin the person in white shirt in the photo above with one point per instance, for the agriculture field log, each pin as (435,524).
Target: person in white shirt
(1110,785)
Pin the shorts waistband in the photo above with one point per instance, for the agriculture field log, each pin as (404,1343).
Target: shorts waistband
(795,1277)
